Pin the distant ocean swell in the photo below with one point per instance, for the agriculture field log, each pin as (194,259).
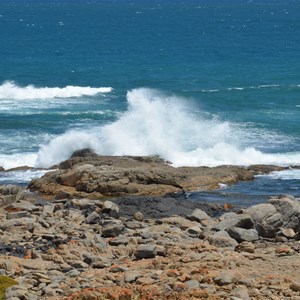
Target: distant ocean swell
(164,125)
(9,90)
(262,86)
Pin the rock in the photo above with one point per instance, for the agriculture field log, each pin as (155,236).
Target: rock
(192,284)
(241,292)
(245,247)
(120,240)
(180,222)
(95,176)
(93,218)
(1,169)
(226,278)
(18,215)
(48,209)
(145,251)
(131,276)
(232,219)
(10,194)
(112,228)
(110,208)
(288,232)
(61,194)
(295,286)
(117,269)
(241,234)
(289,209)
(199,215)
(100,240)
(18,292)
(161,250)
(23,206)
(145,281)
(222,239)
(27,222)
(79,264)
(195,232)
(266,218)
(86,152)
(138,216)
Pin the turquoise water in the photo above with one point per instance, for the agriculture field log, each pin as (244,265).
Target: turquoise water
(196,82)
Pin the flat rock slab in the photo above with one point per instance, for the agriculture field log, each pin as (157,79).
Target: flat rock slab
(102,176)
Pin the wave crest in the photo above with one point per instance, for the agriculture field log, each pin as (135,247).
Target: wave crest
(9,90)
(167,126)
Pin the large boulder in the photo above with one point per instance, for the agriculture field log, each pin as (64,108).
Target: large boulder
(289,208)
(266,219)
(280,213)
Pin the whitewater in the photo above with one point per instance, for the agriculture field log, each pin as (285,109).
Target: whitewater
(154,122)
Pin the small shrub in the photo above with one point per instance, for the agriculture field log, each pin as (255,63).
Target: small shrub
(5,282)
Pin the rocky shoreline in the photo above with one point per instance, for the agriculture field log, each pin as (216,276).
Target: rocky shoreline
(120,228)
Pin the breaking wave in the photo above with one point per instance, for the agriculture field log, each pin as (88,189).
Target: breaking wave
(164,125)
(9,90)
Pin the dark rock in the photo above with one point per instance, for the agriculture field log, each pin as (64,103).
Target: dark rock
(112,228)
(195,232)
(161,207)
(83,153)
(120,240)
(145,251)
(110,208)
(93,218)
(18,215)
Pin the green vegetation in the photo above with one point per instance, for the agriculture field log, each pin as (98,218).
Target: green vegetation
(5,282)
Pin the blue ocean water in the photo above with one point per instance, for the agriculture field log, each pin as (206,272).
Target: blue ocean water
(205,82)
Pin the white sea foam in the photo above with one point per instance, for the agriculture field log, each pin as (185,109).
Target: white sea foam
(9,90)
(21,177)
(291,174)
(160,124)
(17,160)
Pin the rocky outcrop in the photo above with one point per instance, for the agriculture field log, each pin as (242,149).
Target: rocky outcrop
(89,175)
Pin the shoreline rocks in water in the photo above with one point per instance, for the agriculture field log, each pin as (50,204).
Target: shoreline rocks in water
(60,244)
(95,176)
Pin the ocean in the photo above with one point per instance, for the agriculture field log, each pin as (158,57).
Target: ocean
(207,82)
